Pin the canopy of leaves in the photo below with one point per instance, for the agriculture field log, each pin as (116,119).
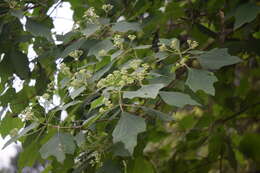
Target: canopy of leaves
(138,86)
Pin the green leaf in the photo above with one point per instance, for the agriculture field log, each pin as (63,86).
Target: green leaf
(177,99)
(91,120)
(59,145)
(8,123)
(77,92)
(249,146)
(20,64)
(96,103)
(127,129)
(140,165)
(90,29)
(155,113)
(21,134)
(142,47)
(147,91)
(110,167)
(74,46)
(245,13)
(201,80)
(100,73)
(217,58)
(105,45)
(186,122)
(80,138)
(126,26)
(38,29)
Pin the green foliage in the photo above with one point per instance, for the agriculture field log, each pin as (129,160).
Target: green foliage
(174,87)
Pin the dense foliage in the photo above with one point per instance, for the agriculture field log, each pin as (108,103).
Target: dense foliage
(138,86)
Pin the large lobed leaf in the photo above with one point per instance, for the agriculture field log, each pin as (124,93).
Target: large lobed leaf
(127,129)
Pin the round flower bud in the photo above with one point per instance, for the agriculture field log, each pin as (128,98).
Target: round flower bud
(163,48)
(131,37)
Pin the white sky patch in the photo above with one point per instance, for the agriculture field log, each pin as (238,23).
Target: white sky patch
(62,18)
(8,153)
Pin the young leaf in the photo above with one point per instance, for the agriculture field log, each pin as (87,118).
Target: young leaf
(217,58)
(201,80)
(59,145)
(147,91)
(177,99)
(127,129)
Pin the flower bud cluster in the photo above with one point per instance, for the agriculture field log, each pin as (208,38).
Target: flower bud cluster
(76,54)
(107,7)
(163,48)
(91,16)
(102,52)
(192,44)
(80,78)
(64,69)
(118,41)
(96,158)
(27,113)
(125,77)
(131,37)
(108,105)
(175,45)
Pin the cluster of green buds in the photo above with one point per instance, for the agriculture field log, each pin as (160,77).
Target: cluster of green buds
(108,105)
(102,52)
(76,54)
(91,16)
(107,7)
(97,158)
(125,76)
(131,37)
(80,78)
(64,69)
(163,48)
(192,44)
(118,41)
(12,4)
(27,113)
(175,45)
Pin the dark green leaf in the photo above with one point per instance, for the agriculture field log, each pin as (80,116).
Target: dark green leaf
(201,80)
(127,129)
(177,99)
(59,145)
(245,13)
(147,91)
(217,58)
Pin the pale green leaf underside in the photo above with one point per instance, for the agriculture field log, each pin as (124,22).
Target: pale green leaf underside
(217,58)
(177,99)
(126,26)
(147,91)
(127,129)
(201,80)
(59,145)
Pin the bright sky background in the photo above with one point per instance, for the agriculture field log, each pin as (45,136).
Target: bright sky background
(63,23)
